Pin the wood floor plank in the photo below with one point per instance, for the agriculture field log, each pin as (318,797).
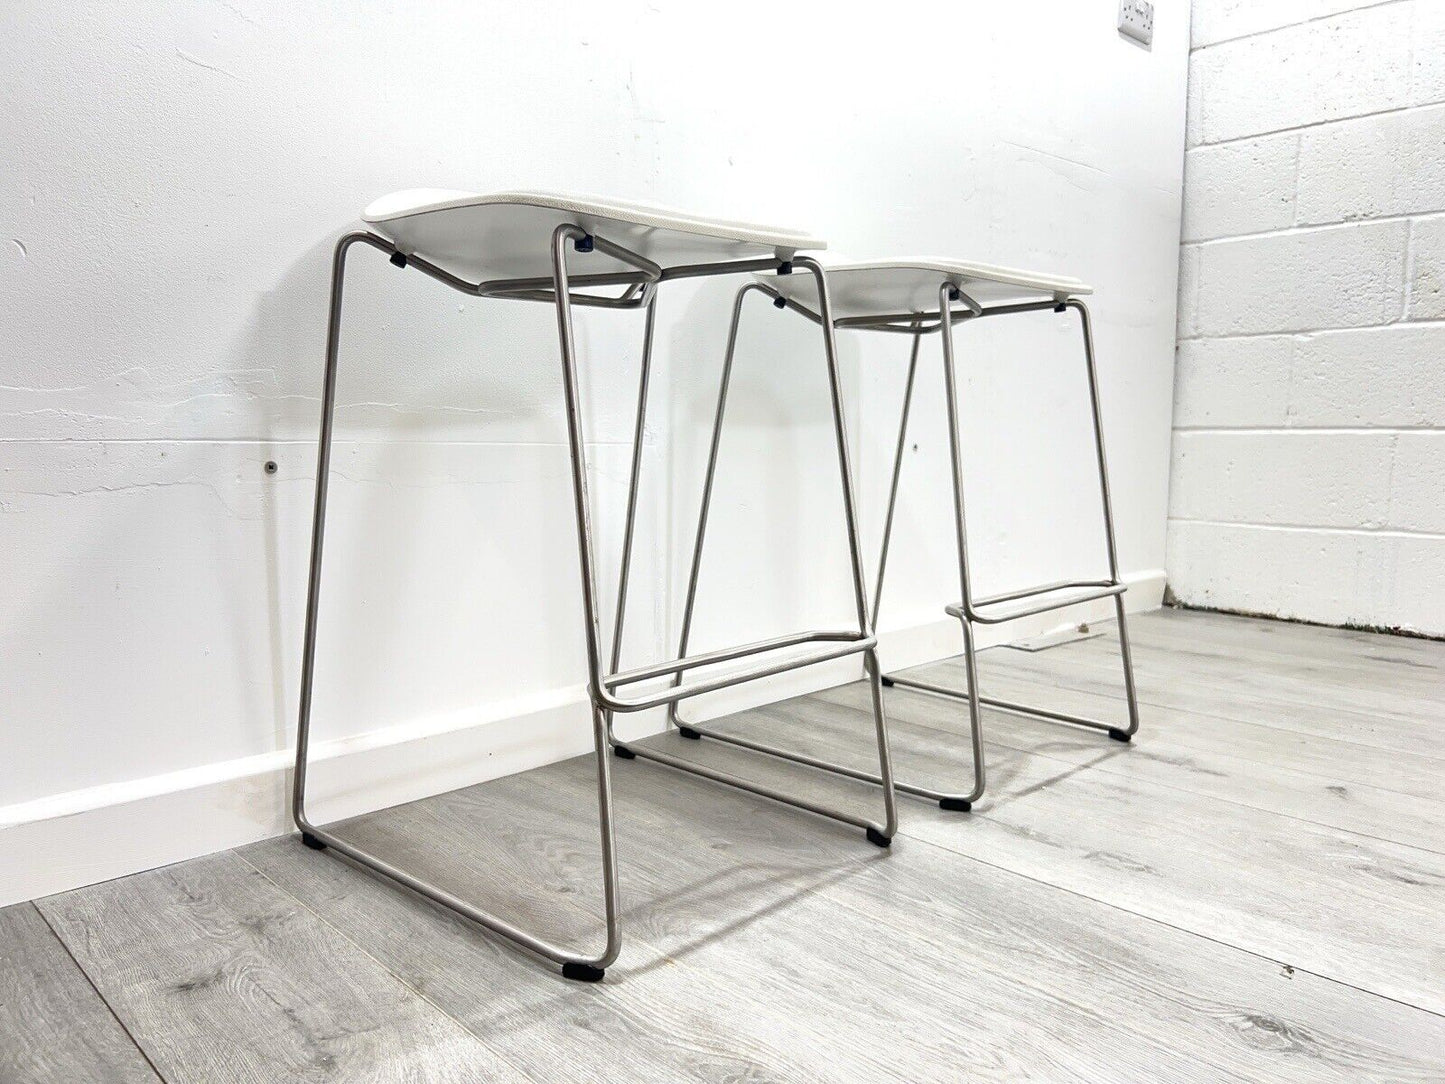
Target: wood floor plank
(1360,910)
(1240,1013)
(1340,784)
(1254,891)
(1395,711)
(961,939)
(1330,683)
(1243,691)
(1256,636)
(662,1020)
(1234,1010)
(734,912)
(223,977)
(1062,679)
(54,1028)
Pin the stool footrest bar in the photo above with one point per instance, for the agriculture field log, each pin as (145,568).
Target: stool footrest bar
(1043,589)
(727,654)
(671,695)
(1078,592)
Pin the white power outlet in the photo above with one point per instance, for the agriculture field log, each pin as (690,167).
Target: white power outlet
(1136,20)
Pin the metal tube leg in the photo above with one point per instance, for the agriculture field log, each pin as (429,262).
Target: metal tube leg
(574,965)
(946,295)
(880,834)
(897,472)
(318,531)
(701,535)
(1127,659)
(582,509)
(630,519)
(855,544)
(1096,413)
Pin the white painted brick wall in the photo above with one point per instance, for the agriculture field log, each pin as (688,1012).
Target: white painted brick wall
(1236,381)
(1222,20)
(1392,164)
(1417,483)
(1323,479)
(1298,280)
(1427,270)
(1328,69)
(1374,377)
(1246,186)
(1308,475)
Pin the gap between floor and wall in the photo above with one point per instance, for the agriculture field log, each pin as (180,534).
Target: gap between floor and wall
(82,837)
(1172,602)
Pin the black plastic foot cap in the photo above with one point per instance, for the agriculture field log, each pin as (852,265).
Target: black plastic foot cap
(398,259)
(1119,735)
(582,972)
(623,752)
(955,805)
(886,681)
(689,732)
(878,839)
(312,842)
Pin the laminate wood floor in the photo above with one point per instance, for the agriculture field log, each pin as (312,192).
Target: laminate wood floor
(1253,890)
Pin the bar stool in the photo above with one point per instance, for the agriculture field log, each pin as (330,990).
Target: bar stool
(516,246)
(918,298)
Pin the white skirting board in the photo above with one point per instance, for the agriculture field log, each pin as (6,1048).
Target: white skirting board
(69,840)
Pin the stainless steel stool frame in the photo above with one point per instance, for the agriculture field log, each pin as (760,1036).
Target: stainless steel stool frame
(969,611)
(640,292)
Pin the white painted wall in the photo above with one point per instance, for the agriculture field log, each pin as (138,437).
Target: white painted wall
(1309,449)
(174,176)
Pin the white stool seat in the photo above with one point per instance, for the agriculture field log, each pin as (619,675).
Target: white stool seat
(507,235)
(887,287)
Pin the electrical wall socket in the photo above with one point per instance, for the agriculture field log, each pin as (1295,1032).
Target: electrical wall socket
(1136,20)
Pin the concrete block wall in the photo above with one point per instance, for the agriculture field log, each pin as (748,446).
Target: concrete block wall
(1308,475)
